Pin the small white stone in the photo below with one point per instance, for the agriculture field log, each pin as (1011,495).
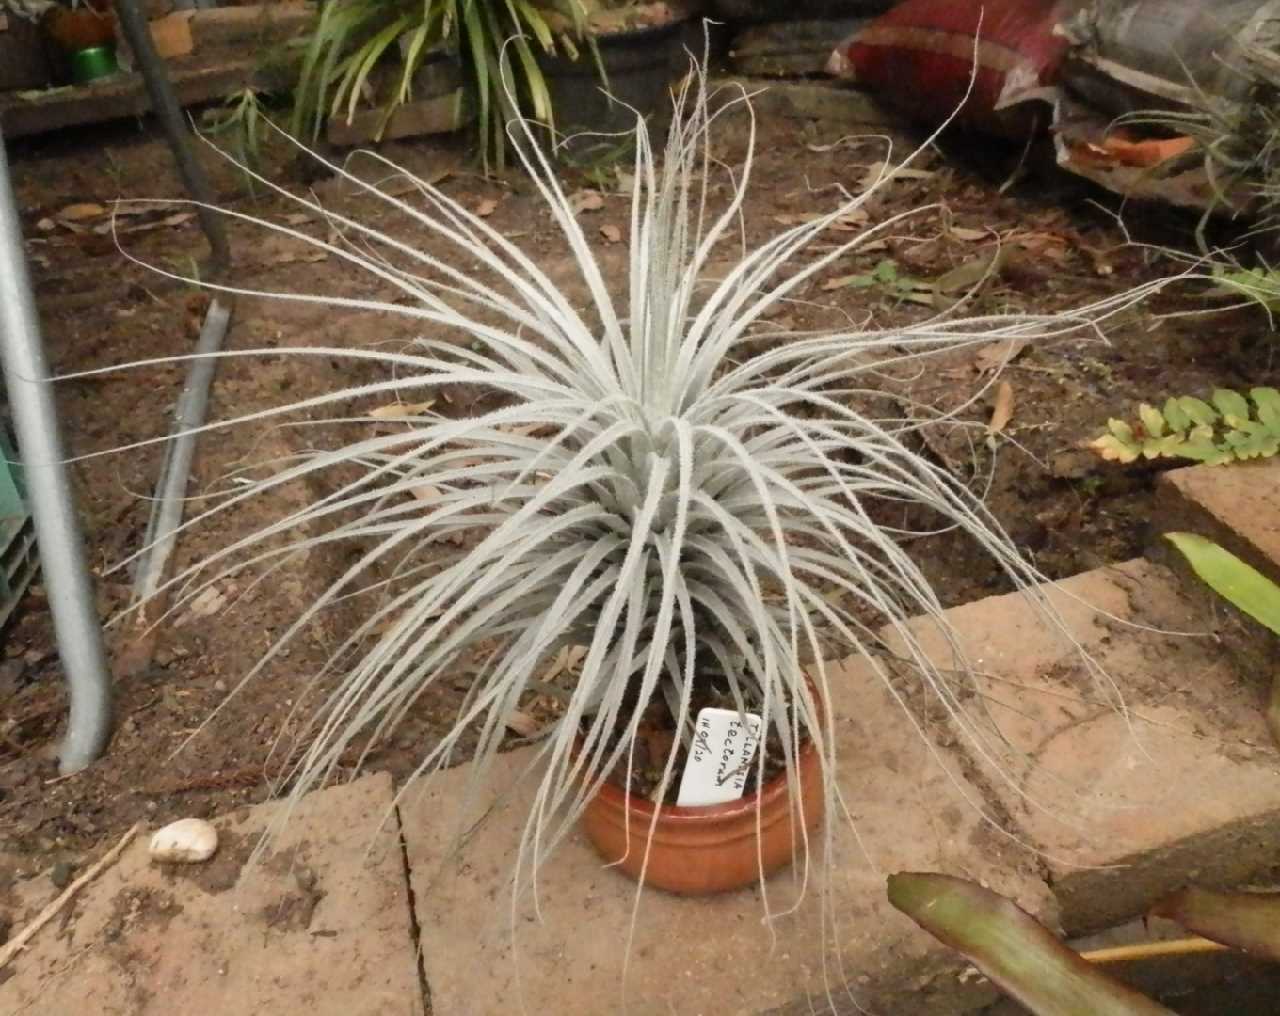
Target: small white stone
(187,841)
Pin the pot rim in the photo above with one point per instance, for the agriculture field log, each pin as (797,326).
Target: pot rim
(708,814)
(696,814)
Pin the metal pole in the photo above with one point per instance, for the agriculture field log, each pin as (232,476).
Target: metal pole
(188,418)
(165,103)
(71,599)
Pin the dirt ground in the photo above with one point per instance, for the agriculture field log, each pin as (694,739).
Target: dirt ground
(1066,510)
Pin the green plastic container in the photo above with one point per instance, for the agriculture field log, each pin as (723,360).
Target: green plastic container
(93,64)
(18,559)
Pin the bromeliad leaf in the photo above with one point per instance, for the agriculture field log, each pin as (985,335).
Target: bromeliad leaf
(1013,949)
(1246,921)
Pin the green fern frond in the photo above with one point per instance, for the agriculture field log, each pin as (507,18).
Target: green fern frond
(1189,428)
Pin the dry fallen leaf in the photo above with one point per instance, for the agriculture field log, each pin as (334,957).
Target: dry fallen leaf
(399,410)
(131,208)
(1046,245)
(968,276)
(849,222)
(522,724)
(995,355)
(208,603)
(177,219)
(1002,413)
(407,185)
(528,429)
(586,201)
(80,211)
(566,659)
(883,170)
(611,233)
(967,235)
(307,256)
(486,207)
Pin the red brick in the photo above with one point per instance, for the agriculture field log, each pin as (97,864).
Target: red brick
(1184,786)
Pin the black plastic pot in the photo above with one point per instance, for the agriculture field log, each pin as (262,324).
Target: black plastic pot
(641,64)
(22,57)
(786,10)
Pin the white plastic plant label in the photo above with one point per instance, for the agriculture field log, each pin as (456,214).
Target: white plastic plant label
(720,760)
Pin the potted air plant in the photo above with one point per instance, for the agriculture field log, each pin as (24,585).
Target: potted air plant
(654,484)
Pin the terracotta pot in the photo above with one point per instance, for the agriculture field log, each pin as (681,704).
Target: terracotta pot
(81,28)
(711,849)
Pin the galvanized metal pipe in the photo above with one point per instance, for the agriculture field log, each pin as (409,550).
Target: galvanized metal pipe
(188,418)
(58,536)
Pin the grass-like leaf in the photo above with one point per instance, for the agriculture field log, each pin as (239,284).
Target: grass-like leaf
(1244,586)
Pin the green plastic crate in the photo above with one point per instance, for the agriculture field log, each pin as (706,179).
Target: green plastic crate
(18,558)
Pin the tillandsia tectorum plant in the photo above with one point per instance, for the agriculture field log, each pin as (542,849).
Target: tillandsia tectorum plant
(646,487)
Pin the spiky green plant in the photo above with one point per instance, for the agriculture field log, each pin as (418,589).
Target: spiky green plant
(654,486)
(498,43)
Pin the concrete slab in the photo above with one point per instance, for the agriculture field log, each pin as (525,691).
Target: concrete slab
(125,95)
(712,955)
(322,926)
(1187,788)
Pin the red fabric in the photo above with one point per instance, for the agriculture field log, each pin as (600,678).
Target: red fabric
(919,57)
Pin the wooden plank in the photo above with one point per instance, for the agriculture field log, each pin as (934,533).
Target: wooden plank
(171,35)
(224,26)
(124,97)
(438,115)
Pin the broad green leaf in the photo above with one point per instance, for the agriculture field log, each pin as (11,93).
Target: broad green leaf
(1246,921)
(886,271)
(1175,416)
(1268,402)
(1113,449)
(1122,431)
(1017,953)
(1232,405)
(1257,446)
(1199,410)
(1231,578)
(1152,420)
(1161,447)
